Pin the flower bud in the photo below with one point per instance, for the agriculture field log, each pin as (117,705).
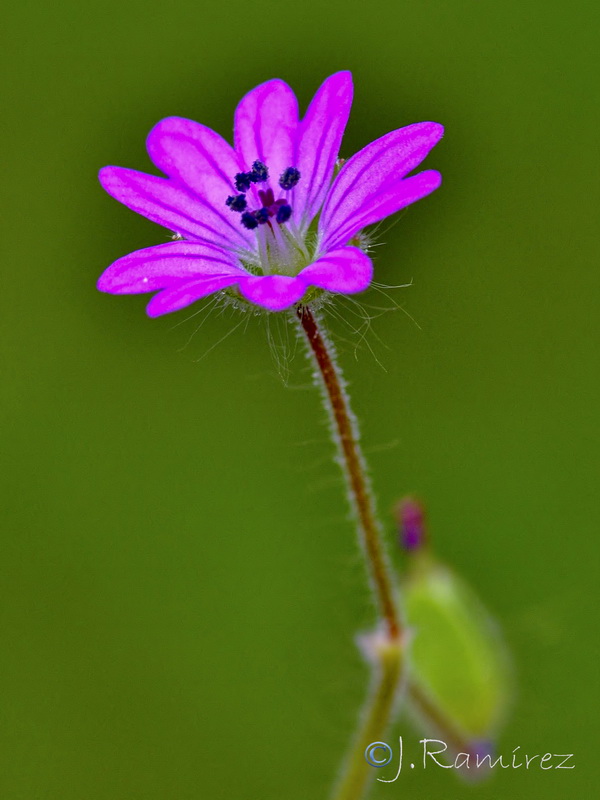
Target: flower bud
(457,658)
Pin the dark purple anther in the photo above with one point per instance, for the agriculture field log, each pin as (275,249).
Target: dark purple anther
(411,524)
(289,178)
(237,202)
(259,172)
(283,214)
(262,215)
(249,221)
(242,181)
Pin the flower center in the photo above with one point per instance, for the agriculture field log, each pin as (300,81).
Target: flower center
(280,208)
(280,252)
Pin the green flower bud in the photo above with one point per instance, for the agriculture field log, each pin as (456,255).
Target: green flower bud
(457,657)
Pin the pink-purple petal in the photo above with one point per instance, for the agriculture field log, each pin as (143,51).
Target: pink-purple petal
(196,156)
(346,270)
(185,293)
(166,264)
(397,196)
(170,204)
(319,139)
(273,292)
(266,124)
(371,174)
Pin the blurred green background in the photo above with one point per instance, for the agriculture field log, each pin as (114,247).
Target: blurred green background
(180,581)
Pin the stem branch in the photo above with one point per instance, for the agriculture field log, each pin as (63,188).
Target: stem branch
(357,772)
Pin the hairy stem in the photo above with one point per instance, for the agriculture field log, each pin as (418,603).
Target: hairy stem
(385,648)
(347,440)
(356,772)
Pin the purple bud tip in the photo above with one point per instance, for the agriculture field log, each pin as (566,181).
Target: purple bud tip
(482,748)
(411,524)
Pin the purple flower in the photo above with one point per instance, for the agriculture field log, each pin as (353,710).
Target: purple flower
(266,220)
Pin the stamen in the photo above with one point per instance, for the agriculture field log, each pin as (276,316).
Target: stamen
(283,214)
(259,173)
(237,202)
(270,207)
(262,215)
(249,221)
(289,178)
(242,181)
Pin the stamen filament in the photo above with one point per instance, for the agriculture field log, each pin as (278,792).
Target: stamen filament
(261,236)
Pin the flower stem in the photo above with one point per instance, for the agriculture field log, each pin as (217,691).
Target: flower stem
(357,772)
(346,436)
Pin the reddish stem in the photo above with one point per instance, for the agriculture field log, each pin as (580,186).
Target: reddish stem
(369,529)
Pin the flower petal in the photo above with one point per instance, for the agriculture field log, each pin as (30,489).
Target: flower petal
(186,293)
(168,203)
(165,265)
(345,270)
(400,194)
(266,123)
(371,174)
(274,292)
(196,156)
(318,145)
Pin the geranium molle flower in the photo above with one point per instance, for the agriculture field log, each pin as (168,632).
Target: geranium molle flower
(268,220)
